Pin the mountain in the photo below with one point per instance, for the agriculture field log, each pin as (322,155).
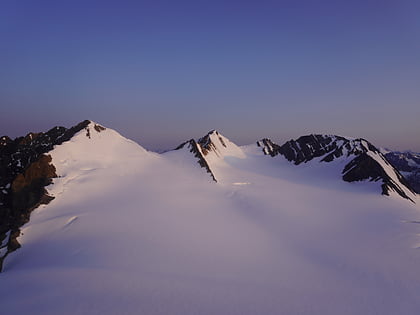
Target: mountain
(27,166)
(212,149)
(408,164)
(365,161)
(24,171)
(130,231)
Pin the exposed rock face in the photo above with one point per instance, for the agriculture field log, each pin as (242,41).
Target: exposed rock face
(367,162)
(207,144)
(202,148)
(306,148)
(196,149)
(309,147)
(98,128)
(25,170)
(212,148)
(269,147)
(408,163)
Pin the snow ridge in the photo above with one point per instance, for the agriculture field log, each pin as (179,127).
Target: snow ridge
(211,150)
(27,166)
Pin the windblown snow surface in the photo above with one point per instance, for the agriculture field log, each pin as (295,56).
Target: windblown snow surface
(134,232)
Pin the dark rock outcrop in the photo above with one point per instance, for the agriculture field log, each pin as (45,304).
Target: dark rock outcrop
(25,170)
(269,147)
(207,144)
(196,149)
(309,147)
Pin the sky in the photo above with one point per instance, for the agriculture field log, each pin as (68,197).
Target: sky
(162,72)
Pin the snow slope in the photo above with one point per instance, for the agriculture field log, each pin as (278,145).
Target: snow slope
(133,232)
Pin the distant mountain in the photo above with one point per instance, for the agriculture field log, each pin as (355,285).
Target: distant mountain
(365,161)
(408,164)
(210,149)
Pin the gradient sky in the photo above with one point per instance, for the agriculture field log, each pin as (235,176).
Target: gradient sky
(161,72)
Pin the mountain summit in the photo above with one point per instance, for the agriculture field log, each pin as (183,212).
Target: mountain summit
(27,167)
(211,149)
(364,160)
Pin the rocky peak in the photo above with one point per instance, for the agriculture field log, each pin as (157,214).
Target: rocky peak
(212,148)
(313,146)
(366,162)
(212,142)
(196,149)
(25,169)
(93,127)
(269,147)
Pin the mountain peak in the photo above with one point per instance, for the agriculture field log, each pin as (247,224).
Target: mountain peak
(308,147)
(365,161)
(92,127)
(26,170)
(214,143)
(27,165)
(212,148)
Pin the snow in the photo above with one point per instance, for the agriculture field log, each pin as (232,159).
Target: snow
(222,150)
(390,171)
(223,147)
(134,232)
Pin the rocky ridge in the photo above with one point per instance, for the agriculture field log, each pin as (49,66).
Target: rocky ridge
(210,148)
(366,162)
(197,150)
(25,169)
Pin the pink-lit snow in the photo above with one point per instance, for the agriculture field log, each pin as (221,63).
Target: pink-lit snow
(135,232)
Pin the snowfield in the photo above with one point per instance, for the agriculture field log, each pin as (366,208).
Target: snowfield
(135,232)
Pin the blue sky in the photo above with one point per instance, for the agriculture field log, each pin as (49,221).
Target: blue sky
(161,72)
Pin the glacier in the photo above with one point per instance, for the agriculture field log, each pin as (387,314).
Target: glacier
(135,232)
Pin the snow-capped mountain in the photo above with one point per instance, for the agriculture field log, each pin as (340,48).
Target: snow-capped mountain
(24,172)
(408,164)
(212,149)
(108,227)
(364,160)
(28,164)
